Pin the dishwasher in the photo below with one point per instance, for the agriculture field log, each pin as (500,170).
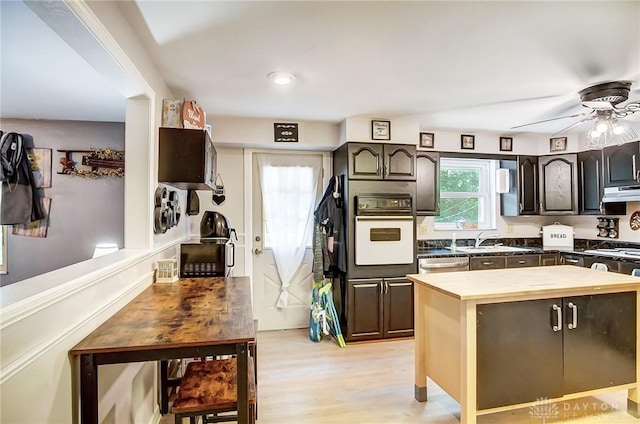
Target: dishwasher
(444,264)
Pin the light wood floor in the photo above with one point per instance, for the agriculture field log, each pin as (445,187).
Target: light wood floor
(303,382)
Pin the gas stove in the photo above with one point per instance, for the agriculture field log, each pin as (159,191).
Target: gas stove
(621,252)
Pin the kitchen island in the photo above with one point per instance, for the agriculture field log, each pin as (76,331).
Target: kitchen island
(503,339)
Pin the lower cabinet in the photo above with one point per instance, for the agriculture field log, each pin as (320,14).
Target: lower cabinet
(379,308)
(498,262)
(557,346)
(549,259)
(613,265)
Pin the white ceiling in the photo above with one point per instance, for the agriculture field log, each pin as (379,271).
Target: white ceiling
(474,65)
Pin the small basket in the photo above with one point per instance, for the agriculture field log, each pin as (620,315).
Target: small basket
(167,271)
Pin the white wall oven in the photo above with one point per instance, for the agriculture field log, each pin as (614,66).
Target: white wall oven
(384,229)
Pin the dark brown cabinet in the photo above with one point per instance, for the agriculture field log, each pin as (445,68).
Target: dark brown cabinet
(528,185)
(498,262)
(523,195)
(613,265)
(549,259)
(590,182)
(379,308)
(486,262)
(621,164)
(186,159)
(558,184)
(589,343)
(427,183)
(369,161)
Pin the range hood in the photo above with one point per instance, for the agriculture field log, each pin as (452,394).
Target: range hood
(630,193)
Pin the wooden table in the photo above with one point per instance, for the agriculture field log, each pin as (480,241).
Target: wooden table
(191,318)
(523,357)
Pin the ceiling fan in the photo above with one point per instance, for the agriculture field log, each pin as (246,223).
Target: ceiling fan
(602,100)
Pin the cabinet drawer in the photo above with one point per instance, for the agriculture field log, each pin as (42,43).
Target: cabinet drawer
(487,262)
(613,265)
(521,261)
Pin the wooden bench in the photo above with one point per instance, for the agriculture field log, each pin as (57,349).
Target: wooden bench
(209,388)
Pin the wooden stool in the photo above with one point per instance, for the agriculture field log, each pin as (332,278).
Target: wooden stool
(169,378)
(210,388)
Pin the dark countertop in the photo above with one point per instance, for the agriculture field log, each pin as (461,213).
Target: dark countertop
(442,253)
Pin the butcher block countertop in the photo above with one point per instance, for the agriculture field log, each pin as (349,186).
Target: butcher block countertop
(515,282)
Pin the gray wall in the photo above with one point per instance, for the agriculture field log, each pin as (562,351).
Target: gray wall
(84,211)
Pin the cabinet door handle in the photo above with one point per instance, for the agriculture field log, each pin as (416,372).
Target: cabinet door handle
(386,287)
(522,261)
(574,316)
(521,188)
(598,196)
(381,287)
(572,261)
(633,163)
(487,263)
(558,325)
(536,195)
(582,185)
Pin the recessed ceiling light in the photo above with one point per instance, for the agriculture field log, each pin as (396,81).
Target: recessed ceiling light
(281,78)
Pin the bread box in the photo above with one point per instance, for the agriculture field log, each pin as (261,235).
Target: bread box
(557,237)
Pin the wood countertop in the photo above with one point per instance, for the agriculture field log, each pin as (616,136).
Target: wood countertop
(545,281)
(192,312)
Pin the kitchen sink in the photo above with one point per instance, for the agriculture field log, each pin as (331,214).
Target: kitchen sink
(492,249)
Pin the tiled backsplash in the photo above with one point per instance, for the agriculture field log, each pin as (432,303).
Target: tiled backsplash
(578,244)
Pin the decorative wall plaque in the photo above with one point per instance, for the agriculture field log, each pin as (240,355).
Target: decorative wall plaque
(285,133)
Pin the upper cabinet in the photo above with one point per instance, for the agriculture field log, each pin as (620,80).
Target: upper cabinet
(528,185)
(545,185)
(186,159)
(558,188)
(589,182)
(380,161)
(427,183)
(621,164)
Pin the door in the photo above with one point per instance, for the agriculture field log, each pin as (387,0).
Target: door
(398,307)
(528,180)
(399,162)
(261,260)
(517,343)
(589,182)
(364,309)
(621,164)
(428,183)
(599,341)
(365,161)
(558,185)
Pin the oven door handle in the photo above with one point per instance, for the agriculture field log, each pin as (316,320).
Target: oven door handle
(384,218)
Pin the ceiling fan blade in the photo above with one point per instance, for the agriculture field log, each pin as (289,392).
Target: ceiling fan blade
(549,120)
(588,118)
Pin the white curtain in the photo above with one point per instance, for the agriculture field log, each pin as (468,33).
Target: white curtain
(288,197)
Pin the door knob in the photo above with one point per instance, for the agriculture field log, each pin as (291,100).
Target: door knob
(257,252)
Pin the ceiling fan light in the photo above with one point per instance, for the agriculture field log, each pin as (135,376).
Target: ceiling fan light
(602,127)
(618,129)
(594,133)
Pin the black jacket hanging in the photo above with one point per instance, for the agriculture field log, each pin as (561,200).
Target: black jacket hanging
(21,202)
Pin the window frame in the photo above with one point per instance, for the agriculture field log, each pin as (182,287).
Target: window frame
(487,197)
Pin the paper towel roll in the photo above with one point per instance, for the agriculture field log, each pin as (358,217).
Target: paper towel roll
(502,180)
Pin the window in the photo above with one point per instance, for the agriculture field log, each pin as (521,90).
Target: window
(467,194)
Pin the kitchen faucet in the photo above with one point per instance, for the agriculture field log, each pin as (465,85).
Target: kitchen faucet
(480,240)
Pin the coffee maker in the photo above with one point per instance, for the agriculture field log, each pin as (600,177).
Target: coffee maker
(214,256)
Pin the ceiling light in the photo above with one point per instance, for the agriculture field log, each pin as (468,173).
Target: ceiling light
(606,131)
(281,78)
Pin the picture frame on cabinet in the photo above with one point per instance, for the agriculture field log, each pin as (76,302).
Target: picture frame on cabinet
(558,144)
(380,130)
(506,144)
(467,141)
(427,140)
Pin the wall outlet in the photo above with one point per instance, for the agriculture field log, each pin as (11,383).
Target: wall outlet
(509,228)
(423,229)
